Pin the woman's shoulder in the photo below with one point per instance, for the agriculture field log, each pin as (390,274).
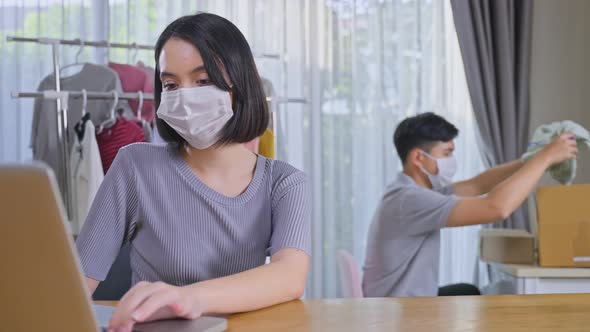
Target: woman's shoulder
(284,175)
(141,154)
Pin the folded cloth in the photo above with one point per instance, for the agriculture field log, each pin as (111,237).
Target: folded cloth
(564,172)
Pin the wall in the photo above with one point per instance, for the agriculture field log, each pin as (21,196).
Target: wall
(560,72)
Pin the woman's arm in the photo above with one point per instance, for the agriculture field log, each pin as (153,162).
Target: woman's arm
(91,284)
(280,281)
(113,212)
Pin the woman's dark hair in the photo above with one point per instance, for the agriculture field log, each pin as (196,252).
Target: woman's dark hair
(421,131)
(224,51)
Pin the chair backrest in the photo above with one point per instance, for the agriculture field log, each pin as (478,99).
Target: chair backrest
(350,275)
(118,280)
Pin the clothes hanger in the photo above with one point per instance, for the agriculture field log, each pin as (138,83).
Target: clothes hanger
(80,125)
(108,50)
(112,114)
(136,48)
(84,101)
(76,63)
(147,128)
(139,108)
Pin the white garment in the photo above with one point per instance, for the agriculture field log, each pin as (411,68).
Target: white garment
(87,174)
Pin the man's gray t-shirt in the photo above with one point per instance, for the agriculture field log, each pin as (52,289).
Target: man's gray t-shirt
(404,240)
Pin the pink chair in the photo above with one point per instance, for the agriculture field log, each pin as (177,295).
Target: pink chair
(350,275)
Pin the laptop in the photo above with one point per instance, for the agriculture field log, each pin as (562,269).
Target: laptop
(41,283)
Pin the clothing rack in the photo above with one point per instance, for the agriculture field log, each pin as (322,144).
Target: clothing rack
(61,100)
(79,42)
(50,94)
(106,44)
(284,100)
(125,95)
(62,97)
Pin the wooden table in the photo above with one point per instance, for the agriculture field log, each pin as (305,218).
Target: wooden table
(478,313)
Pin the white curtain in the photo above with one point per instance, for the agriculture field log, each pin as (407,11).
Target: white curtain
(460,246)
(362,66)
(23,65)
(380,61)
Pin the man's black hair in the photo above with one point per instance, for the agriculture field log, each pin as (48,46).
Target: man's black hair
(422,131)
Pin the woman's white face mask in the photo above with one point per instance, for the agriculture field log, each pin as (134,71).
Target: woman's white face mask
(447,168)
(197,114)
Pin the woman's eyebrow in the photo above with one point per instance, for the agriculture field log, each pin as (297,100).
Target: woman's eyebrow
(166,74)
(198,69)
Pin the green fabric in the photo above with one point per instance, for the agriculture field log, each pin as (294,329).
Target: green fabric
(564,172)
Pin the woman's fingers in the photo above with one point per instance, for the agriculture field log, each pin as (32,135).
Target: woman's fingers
(152,301)
(130,302)
(123,328)
(162,299)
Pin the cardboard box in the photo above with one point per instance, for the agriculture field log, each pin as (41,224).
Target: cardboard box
(506,246)
(563,214)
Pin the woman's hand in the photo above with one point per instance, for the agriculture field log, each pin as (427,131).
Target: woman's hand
(148,301)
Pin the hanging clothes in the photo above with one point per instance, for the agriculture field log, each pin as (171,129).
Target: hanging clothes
(110,140)
(269,89)
(148,132)
(266,145)
(86,170)
(564,172)
(156,138)
(151,133)
(134,79)
(43,132)
(149,71)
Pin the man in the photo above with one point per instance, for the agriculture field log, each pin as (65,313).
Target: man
(404,237)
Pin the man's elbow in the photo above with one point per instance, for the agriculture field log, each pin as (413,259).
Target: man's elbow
(499,211)
(504,214)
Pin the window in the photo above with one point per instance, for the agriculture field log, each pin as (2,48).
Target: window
(361,65)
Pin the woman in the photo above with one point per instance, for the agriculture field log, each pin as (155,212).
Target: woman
(201,213)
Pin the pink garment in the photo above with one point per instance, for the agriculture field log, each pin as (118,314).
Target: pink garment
(134,79)
(150,72)
(253,145)
(110,140)
(350,275)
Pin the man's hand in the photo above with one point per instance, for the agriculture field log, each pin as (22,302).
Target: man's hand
(564,147)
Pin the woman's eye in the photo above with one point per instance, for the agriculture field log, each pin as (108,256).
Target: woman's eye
(169,86)
(204,82)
